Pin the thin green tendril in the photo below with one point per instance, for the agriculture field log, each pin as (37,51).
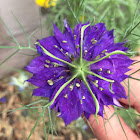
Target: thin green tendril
(82,36)
(112,53)
(51,55)
(60,89)
(93,96)
(103,78)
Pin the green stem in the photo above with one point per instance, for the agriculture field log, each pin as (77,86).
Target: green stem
(51,55)
(28,48)
(112,53)
(82,35)
(93,96)
(103,78)
(10,32)
(20,48)
(60,89)
(74,15)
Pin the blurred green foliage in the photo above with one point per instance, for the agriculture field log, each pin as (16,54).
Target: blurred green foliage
(121,15)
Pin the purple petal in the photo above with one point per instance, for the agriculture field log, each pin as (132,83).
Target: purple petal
(36,65)
(51,45)
(43,91)
(65,40)
(104,64)
(70,107)
(41,79)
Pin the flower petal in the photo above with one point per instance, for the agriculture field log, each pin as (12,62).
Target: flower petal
(36,65)
(41,79)
(52,45)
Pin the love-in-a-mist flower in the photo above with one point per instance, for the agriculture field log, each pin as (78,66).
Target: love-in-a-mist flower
(80,70)
(46,3)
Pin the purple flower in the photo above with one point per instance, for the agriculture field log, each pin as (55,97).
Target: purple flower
(80,70)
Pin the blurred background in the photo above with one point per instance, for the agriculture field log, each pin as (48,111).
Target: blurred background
(35,17)
(27,12)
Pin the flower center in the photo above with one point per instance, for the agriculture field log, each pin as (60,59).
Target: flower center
(80,68)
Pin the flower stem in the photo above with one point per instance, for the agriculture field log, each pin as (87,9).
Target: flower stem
(82,36)
(51,55)
(60,89)
(103,78)
(112,53)
(93,96)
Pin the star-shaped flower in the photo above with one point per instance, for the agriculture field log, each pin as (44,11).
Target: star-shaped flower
(80,71)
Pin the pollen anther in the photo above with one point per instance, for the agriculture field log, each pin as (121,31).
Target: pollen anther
(85,51)
(55,46)
(47,61)
(64,41)
(101,89)
(50,82)
(96,81)
(100,69)
(66,53)
(61,77)
(104,51)
(66,96)
(83,97)
(71,87)
(74,37)
(47,66)
(93,41)
(108,71)
(77,84)
(55,64)
(77,46)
